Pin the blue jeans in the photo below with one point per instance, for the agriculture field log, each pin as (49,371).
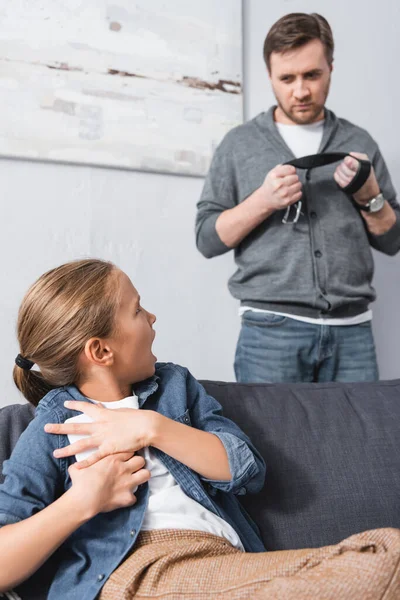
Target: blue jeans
(272,348)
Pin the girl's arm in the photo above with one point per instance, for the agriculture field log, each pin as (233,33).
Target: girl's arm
(201,451)
(26,545)
(214,446)
(246,464)
(107,485)
(125,429)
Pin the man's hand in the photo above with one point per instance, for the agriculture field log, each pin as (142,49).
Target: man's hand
(345,173)
(281,187)
(110,432)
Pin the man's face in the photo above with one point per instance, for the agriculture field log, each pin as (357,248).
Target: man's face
(300,79)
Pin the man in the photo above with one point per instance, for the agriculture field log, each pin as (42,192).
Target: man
(304,270)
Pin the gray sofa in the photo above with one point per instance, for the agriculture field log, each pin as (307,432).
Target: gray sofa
(332,452)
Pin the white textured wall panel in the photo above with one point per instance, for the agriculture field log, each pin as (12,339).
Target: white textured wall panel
(149,85)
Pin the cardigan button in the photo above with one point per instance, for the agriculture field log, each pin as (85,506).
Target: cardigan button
(100,577)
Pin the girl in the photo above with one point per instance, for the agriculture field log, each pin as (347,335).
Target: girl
(180,532)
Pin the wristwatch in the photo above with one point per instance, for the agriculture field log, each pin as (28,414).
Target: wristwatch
(374,205)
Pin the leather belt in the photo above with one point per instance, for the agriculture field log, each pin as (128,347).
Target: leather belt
(320,160)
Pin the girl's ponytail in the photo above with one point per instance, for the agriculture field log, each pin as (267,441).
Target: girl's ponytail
(31,384)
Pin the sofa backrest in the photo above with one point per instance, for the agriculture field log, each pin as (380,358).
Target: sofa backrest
(332,452)
(13,420)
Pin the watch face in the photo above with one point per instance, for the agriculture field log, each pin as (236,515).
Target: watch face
(376,203)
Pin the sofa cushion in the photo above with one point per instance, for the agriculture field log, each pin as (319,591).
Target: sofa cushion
(333,457)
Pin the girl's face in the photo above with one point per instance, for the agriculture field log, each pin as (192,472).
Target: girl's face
(133,337)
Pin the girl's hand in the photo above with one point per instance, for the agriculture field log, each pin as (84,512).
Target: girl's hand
(109,484)
(111,432)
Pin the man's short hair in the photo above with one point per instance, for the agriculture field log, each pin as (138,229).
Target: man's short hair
(295,30)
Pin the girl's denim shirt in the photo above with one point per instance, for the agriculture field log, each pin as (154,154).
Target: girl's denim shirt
(34,479)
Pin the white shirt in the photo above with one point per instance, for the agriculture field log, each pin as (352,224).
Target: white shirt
(168,506)
(304,140)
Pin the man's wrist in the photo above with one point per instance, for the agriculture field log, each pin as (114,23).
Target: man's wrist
(375,205)
(363,199)
(380,222)
(263,201)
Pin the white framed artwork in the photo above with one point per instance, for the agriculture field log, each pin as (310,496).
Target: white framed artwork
(138,84)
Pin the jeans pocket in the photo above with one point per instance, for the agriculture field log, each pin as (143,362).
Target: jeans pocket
(262,319)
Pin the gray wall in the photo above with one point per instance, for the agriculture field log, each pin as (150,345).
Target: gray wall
(52,213)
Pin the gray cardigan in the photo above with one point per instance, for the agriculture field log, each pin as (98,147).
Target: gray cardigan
(321,266)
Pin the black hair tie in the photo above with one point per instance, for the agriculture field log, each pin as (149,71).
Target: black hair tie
(24,363)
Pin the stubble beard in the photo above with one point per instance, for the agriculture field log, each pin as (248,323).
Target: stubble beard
(303,118)
(309,116)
